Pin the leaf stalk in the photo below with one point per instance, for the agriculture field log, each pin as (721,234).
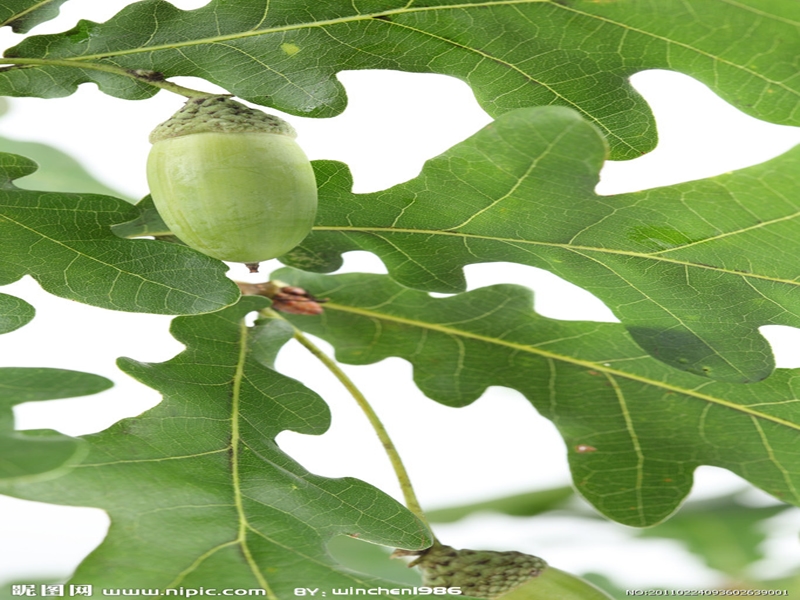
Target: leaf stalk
(399,468)
(153,78)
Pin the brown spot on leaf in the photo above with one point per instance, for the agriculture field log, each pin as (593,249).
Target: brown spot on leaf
(584,448)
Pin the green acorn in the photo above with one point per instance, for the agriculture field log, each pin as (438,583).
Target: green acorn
(501,575)
(231,181)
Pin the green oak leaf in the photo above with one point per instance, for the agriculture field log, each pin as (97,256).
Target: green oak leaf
(198,491)
(24,15)
(513,53)
(65,242)
(14,313)
(29,454)
(692,270)
(635,429)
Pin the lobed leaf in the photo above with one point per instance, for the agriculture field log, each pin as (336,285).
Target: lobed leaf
(635,429)
(692,270)
(198,491)
(27,454)
(65,242)
(24,15)
(514,53)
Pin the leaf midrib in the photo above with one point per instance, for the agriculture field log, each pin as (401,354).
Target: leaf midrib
(637,446)
(406,10)
(236,441)
(94,259)
(571,360)
(27,11)
(569,247)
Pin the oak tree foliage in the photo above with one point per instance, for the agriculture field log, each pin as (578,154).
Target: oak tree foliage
(197,489)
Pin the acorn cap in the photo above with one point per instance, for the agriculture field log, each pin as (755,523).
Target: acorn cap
(479,573)
(219,114)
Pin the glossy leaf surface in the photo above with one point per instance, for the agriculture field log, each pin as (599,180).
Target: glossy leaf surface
(199,493)
(24,15)
(575,53)
(635,429)
(65,242)
(692,270)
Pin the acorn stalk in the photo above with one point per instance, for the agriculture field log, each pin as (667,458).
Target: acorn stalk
(231,182)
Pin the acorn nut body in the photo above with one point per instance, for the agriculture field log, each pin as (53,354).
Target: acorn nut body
(231,182)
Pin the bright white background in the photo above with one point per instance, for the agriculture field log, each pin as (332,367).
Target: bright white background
(499,445)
